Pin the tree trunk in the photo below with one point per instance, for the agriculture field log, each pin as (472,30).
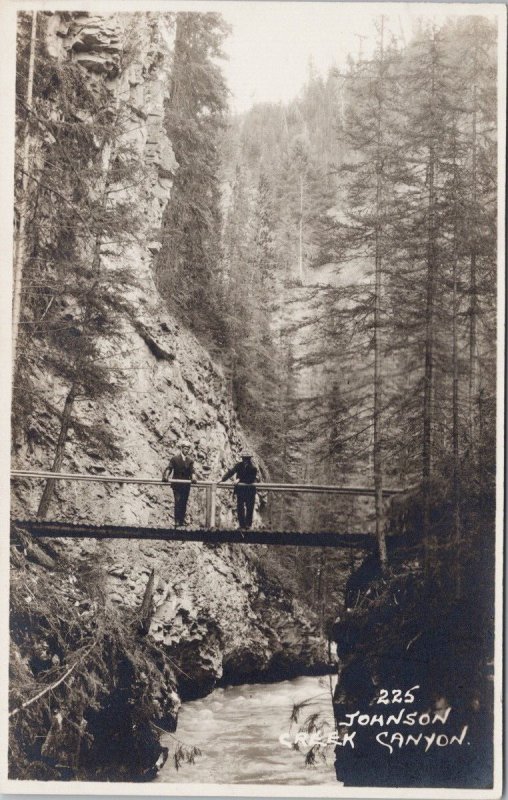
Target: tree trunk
(455,403)
(378,379)
(300,242)
(320,590)
(146,610)
(429,338)
(473,288)
(324,588)
(20,239)
(285,428)
(49,488)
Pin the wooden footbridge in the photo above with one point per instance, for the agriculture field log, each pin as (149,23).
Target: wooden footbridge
(210,532)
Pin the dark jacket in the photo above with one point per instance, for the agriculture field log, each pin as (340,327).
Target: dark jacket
(245,471)
(181,468)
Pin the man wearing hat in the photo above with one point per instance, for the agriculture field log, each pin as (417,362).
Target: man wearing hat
(180,467)
(246,472)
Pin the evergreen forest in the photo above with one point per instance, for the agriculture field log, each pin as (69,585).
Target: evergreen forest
(336,257)
(344,252)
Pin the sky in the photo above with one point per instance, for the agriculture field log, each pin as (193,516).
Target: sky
(272,42)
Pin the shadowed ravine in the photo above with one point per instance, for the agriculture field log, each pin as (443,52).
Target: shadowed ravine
(254,411)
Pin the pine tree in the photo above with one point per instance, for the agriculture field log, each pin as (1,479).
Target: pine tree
(70,304)
(188,267)
(25,161)
(368,180)
(472,54)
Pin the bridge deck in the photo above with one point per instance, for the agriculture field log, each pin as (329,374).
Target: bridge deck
(215,536)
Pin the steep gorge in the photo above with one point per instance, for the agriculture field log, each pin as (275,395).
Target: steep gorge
(217,614)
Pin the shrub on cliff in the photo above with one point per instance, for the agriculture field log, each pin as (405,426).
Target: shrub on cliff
(89,695)
(75,200)
(422,625)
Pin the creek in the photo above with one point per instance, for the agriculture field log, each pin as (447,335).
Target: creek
(237,729)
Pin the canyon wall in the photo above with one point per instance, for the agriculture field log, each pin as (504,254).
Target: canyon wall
(217,615)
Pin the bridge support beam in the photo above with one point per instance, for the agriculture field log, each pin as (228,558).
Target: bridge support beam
(298,538)
(211,505)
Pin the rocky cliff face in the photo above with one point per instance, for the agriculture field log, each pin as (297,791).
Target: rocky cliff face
(216,616)
(170,387)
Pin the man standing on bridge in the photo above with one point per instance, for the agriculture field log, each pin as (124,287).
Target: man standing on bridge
(246,472)
(180,467)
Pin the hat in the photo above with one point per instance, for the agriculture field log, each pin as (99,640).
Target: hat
(246,454)
(185,443)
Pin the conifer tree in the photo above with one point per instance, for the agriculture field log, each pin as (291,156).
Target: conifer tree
(471,43)
(189,262)
(368,180)
(71,304)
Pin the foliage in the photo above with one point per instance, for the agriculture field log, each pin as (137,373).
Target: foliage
(77,214)
(397,160)
(188,271)
(92,687)
(185,754)
(416,626)
(380,183)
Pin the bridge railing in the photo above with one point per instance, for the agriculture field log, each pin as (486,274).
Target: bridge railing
(210,487)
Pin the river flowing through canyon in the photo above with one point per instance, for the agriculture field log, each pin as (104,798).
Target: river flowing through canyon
(237,730)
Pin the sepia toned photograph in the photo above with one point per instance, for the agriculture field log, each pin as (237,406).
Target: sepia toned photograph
(257,360)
